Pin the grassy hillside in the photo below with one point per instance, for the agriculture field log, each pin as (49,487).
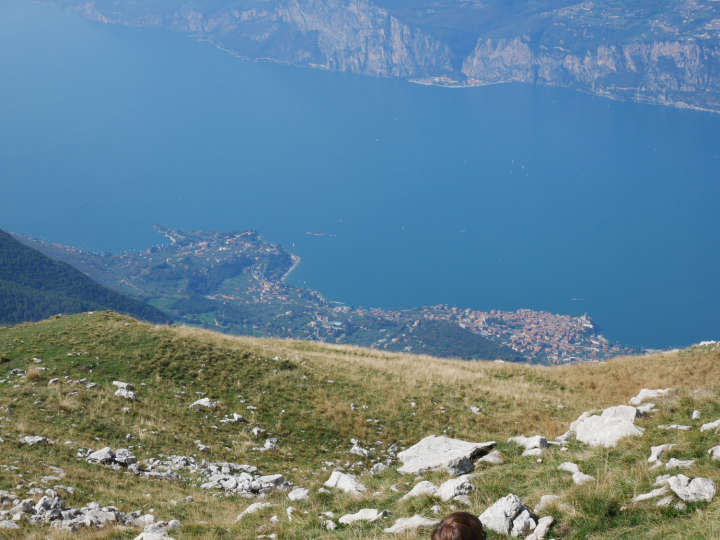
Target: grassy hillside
(34,286)
(314,398)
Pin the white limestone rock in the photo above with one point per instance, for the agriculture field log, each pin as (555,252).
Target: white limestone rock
(33,440)
(420,489)
(366,514)
(254,507)
(455,487)
(204,403)
(714,453)
(656,452)
(654,494)
(524,524)
(346,483)
(123,385)
(104,456)
(298,494)
(679,463)
(501,516)
(695,415)
(695,490)
(578,477)
(710,425)
(125,394)
(646,394)
(606,429)
(533,445)
(439,453)
(493,458)
(7,524)
(413,523)
(542,529)
(674,427)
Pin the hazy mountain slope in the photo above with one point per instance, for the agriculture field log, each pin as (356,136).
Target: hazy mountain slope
(313,398)
(665,52)
(34,286)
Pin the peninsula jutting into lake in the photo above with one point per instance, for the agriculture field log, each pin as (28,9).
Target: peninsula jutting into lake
(236,283)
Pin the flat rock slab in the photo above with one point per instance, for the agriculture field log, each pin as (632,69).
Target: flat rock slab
(438,453)
(646,394)
(366,514)
(411,524)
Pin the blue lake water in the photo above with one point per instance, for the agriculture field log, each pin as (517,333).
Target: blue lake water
(500,197)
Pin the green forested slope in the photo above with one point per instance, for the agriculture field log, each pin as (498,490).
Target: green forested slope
(33,287)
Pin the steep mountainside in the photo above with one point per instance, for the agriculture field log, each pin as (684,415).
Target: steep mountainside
(34,286)
(98,408)
(665,52)
(235,282)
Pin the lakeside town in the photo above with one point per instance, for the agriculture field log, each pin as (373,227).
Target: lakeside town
(237,283)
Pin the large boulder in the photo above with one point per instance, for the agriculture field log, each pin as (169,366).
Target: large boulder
(509,516)
(607,428)
(438,453)
(346,483)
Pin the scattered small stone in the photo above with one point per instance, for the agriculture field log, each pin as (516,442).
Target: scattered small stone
(695,415)
(679,463)
(205,403)
(656,452)
(677,427)
(578,477)
(423,488)
(345,482)
(534,445)
(298,494)
(33,440)
(710,425)
(493,458)
(254,507)
(125,394)
(646,394)
(366,514)
(654,494)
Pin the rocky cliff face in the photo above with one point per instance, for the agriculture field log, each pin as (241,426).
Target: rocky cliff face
(679,73)
(665,52)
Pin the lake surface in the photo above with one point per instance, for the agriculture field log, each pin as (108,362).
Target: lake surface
(501,197)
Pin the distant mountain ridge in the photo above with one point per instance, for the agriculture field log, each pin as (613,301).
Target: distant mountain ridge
(664,52)
(33,286)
